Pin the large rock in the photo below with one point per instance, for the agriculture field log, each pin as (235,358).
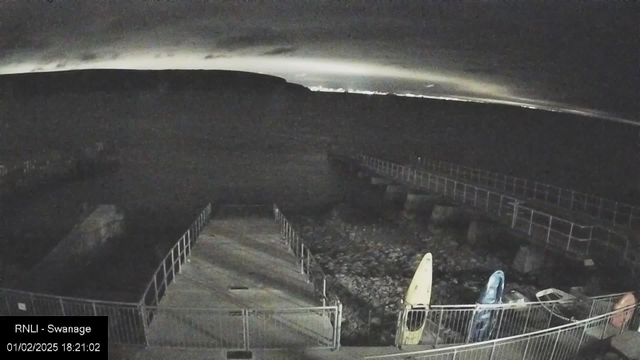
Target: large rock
(380,181)
(528,259)
(443,212)
(418,202)
(395,193)
(480,233)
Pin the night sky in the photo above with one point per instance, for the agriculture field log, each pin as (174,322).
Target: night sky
(571,55)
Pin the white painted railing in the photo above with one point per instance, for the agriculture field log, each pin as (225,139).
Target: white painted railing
(611,211)
(540,227)
(611,243)
(557,343)
(172,263)
(448,325)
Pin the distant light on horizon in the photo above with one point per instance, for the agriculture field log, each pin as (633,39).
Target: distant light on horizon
(308,72)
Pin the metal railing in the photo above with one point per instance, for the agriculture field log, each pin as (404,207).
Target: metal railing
(557,343)
(615,212)
(541,227)
(126,324)
(448,325)
(308,264)
(246,328)
(172,263)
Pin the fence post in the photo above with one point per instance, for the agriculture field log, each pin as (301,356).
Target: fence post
(155,287)
(301,258)
(308,266)
(469,328)
(337,327)
(584,331)
(61,307)
(600,208)
(173,264)
(324,289)
(526,320)
(499,326)
(188,243)
(573,194)
(555,345)
(164,268)
(245,330)
(499,208)
(145,322)
(604,331)
(549,230)
(439,327)
(570,235)
(526,348)
(514,216)
(615,211)
(530,223)
(95,313)
(553,308)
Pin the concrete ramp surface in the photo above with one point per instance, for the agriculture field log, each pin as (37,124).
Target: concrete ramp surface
(241,289)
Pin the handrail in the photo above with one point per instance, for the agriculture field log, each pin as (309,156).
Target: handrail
(510,339)
(553,231)
(539,226)
(610,238)
(601,208)
(528,303)
(308,264)
(187,240)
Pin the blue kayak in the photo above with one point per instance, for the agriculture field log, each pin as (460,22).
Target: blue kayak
(484,320)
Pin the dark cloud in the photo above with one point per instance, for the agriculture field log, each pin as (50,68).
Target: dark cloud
(280,50)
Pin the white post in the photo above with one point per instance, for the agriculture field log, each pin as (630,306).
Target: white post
(570,235)
(301,258)
(549,230)
(600,209)
(514,216)
(573,194)
(530,223)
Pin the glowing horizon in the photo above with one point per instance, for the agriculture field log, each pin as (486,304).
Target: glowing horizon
(307,72)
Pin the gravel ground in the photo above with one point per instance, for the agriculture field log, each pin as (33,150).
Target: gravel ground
(370,263)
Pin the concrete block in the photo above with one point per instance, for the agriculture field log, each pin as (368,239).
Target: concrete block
(418,202)
(395,193)
(380,181)
(480,232)
(443,212)
(528,259)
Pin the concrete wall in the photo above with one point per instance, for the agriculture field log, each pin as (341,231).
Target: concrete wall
(64,263)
